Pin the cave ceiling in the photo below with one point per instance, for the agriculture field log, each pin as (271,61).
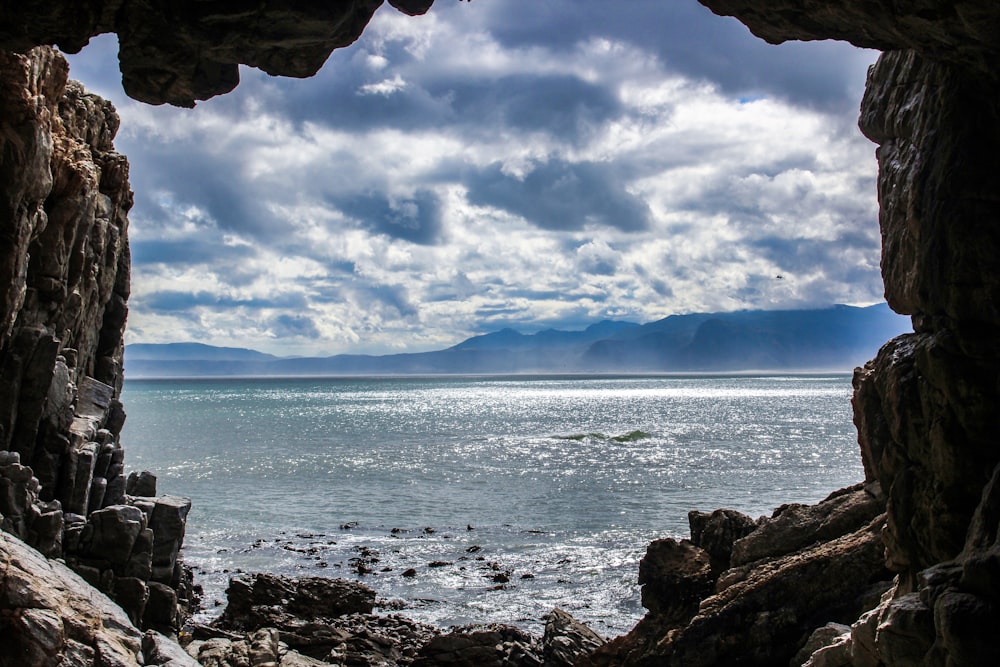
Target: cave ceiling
(182,52)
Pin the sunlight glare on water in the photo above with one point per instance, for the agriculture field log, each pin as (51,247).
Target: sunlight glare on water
(564,481)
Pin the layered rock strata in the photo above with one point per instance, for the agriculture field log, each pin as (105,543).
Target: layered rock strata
(64,282)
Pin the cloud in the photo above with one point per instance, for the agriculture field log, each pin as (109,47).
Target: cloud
(559,195)
(691,41)
(516,163)
(597,258)
(416,219)
(293,325)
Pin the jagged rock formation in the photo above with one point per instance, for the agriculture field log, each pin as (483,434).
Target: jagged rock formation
(64,282)
(183,52)
(752,592)
(924,407)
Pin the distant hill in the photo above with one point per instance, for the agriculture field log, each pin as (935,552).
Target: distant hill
(837,338)
(193,352)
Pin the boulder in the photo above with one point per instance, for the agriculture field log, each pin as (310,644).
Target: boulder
(141,484)
(161,613)
(675,577)
(792,527)
(717,532)
(269,600)
(52,616)
(163,652)
(490,646)
(567,640)
(115,531)
(168,521)
(768,614)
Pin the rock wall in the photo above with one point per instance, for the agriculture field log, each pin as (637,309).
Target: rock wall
(925,408)
(64,283)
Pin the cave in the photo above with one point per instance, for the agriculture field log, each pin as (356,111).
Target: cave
(924,407)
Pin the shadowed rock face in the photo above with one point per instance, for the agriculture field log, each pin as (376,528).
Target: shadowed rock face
(961,32)
(925,407)
(180,52)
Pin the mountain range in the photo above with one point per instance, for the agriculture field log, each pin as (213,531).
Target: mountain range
(828,339)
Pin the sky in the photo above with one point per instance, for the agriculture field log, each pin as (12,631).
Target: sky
(500,163)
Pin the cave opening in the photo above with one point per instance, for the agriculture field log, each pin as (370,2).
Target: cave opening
(922,407)
(233,239)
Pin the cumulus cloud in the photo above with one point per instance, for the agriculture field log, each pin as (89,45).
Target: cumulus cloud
(493,164)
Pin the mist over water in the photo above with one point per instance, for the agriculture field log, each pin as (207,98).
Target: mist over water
(524,492)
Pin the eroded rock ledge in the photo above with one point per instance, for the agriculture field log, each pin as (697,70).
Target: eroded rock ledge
(182,52)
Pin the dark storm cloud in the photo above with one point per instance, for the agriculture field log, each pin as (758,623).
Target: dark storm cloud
(171,300)
(187,252)
(293,325)
(416,219)
(212,181)
(691,41)
(561,195)
(563,106)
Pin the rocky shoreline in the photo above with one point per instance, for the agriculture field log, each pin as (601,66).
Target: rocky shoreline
(766,589)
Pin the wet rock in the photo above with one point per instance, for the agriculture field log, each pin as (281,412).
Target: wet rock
(793,527)
(566,640)
(267,600)
(498,646)
(717,532)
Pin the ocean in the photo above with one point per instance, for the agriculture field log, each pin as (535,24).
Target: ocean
(498,497)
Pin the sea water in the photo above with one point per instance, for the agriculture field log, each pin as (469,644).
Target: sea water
(499,497)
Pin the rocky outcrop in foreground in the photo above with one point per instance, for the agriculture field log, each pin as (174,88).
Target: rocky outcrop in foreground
(50,616)
(926,407)
(753,592)
(317,621)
